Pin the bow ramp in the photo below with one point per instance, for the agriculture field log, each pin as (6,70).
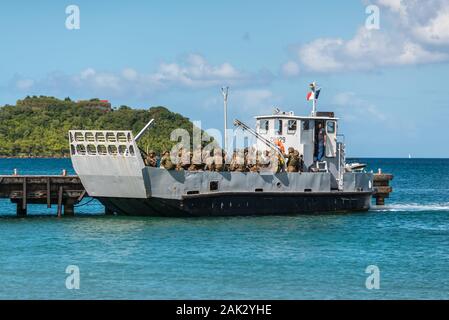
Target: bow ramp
(108,163)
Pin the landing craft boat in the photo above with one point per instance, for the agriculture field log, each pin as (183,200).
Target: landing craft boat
(112,170)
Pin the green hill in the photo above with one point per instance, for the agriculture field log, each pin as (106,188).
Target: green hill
(38,126)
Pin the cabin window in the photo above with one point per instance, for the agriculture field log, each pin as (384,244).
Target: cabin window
(264,126)
(292,124)
(305,125)
(278,127)
(330,127)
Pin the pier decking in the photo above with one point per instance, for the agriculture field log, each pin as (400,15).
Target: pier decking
(64,191)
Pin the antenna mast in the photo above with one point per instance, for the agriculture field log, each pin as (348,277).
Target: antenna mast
(225,92)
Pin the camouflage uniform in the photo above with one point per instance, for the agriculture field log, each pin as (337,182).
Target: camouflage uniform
(265,162)
(293,160)
(242,163)
(196,163)
(178,159)
(300,162)
(233,164)
(226,165)
(250,159)
(151,160)
(257,165)
(184,157)
(208,161)
(238,162)
(166,162)
(218,160)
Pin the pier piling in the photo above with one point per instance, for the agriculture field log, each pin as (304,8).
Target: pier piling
(69,207)
(20,211)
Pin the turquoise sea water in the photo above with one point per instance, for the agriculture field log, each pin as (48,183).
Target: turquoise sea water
(294,257)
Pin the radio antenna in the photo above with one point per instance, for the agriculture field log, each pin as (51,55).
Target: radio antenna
(225,92)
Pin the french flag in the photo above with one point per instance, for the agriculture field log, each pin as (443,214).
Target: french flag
(313,95)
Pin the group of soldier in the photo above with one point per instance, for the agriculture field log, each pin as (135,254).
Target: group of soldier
(246,160)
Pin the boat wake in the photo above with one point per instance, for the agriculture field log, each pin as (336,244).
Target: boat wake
(413,207)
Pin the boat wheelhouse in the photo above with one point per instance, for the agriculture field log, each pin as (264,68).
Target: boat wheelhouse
(300,132)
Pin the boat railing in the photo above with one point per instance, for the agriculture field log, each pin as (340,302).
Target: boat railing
(102,143)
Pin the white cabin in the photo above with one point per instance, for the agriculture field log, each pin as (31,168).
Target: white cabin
(300,132)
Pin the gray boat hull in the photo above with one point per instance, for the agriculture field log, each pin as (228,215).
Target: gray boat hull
(123,183)
(242,204)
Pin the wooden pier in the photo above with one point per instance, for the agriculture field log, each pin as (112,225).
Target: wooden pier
(63,191)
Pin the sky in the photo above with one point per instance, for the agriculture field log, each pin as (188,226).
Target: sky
(385,76)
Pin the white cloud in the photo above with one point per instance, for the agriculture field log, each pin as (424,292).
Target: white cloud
(89,72)
(290,69)
(434,27)
(254,97)
(368,49)
(246,102)
(196,73)
(320,55)
(193,72)
(24,84)
(353,108)
(130,74)
(411,33)
(394,5)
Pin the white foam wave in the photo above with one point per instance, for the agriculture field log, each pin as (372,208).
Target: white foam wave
(413,207)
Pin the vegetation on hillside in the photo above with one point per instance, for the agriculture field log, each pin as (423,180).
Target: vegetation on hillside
(38,126)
